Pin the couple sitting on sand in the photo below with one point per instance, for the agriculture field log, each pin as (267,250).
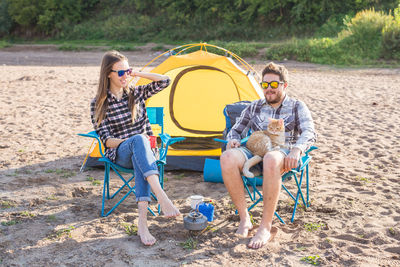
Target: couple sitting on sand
(119,117)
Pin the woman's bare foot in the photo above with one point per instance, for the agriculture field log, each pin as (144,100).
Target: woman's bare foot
(260,238)
(145,236)
(166,204)
(244,227)
(168,208)
(143,231)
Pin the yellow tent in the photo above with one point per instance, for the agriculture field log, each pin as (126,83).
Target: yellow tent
(202,83)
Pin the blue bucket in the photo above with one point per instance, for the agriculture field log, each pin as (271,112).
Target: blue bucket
(212,172)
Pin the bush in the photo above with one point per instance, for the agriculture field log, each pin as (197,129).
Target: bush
(391,37)
(364,32)
(5,19)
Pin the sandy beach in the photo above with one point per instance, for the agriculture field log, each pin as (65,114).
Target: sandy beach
(50,212)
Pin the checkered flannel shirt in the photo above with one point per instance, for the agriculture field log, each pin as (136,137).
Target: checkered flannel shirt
(118,119)
(299,126)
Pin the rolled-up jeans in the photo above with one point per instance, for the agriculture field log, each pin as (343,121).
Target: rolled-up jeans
(135,153)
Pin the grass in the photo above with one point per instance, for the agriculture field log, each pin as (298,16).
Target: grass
(130,229)
(51,218)
(94,181)
(52,197)
(27,214)
(189,244)
(64,173)
(72,47)
(179,176)
(5,204)
(126,47)
(60,233)
(363,179)
(159,47)
(314,260)
(392,231)
(9,223)
(310,227)
(4,44)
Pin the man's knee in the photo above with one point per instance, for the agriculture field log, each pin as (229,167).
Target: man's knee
(229,159)
(273,160)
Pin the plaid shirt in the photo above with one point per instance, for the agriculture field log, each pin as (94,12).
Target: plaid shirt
(118,119)
(299,126)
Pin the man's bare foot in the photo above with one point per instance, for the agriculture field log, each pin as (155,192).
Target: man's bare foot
(168,208)
(145,236)
(244,227)
(260,238)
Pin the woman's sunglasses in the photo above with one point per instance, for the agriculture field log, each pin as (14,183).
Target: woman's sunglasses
(122,72)
(273,84)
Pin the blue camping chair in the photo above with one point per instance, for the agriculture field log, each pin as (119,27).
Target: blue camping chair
(251,184)
(156,117)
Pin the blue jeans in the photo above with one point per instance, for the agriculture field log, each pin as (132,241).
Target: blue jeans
(135,153)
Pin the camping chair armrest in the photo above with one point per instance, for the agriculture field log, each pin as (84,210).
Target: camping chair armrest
(91,134)
(94,135)
(167,140)
(243,141)
(310,149)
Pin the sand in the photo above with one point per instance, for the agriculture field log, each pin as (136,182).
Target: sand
(50,212)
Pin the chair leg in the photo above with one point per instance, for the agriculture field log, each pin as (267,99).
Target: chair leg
(299,193)
(308,185)
(105,187)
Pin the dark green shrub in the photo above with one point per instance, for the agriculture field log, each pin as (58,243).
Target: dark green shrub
(391,37)
(5,18)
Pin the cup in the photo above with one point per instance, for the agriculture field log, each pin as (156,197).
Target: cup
(153,141)
(195,200)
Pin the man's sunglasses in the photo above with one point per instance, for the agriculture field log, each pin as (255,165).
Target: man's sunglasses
(122,72)
(273,84)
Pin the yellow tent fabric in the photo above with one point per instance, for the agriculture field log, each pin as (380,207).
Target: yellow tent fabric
(202,83)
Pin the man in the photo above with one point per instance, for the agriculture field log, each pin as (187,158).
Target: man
(299,136)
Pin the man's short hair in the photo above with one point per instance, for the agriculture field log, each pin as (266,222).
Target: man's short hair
(276,69)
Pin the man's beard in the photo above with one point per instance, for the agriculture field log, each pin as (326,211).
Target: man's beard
(277,99)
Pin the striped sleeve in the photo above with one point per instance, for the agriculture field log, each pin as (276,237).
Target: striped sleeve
(242,125)
(306,128)
(152,88)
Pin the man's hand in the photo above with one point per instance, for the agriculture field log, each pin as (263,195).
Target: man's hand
(232,144)
(291,160)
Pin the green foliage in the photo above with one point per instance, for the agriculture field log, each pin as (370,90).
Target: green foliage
(5,19)
(391,37)
(189,244)
(369,36)
(314,260)
(313,226)
(5,204)
(364,32)
(60,233)
(9,223)
(25,12)
(134,20)
(130,229)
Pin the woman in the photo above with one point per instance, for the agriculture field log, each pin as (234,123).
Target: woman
(119,117)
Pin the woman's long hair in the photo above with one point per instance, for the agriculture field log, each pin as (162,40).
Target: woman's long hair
(109,59)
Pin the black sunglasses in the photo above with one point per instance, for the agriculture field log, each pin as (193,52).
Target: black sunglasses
(122,72)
